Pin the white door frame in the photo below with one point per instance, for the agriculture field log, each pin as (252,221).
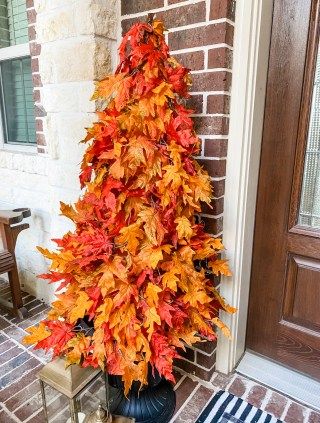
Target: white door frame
(250,64)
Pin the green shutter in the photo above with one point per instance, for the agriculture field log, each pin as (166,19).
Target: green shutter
(17,106)
(17,102)
(17,21)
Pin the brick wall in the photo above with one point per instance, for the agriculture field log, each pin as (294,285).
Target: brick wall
(200,36)
(35,49)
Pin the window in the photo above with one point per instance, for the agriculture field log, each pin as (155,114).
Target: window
(309,214)
(16,88)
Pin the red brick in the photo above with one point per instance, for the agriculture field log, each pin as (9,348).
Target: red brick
(32,16)
(237,387)
(212,225)
(211,125)
(5,346)
(6,356)
(201,36)
(187,354)
(3,323)
(211,81)
(35,66)
(220,58)
(174,1)
(184,15)
(128,7)
(36,95)
(314,417)
(195,405)
(36,79)
(173,18)
(218,187)
(195,103)
(41,141)
(183,391)
(216,207)
(5,418)
(295,413)
(39,125)
(35,49)
(215,168)
(256,395)
(195,370)
(28,391)
(8,380)
(215,148)
(276,405)
(39,111)
(207,346)
(32,33)
(206,361)
(222,9)
(218,103)
(193,60)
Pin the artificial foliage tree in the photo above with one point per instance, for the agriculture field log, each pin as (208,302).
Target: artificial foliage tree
(131,265)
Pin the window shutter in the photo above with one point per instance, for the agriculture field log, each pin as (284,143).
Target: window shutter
(17,21)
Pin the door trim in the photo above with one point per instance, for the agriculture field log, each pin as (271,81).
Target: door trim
(250,65)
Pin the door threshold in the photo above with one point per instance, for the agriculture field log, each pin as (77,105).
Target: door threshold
(290,383)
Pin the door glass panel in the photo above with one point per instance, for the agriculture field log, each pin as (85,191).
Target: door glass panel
(309,214)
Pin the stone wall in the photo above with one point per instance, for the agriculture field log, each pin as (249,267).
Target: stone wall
(72,44)
(200,35)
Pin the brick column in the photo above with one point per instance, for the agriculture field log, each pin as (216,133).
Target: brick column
(200,36)
(35,49)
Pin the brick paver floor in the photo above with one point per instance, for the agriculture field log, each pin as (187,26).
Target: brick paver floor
(20,399)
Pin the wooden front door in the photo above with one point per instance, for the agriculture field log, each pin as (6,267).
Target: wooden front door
(284,305)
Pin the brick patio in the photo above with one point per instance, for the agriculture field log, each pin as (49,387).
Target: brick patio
(20,399)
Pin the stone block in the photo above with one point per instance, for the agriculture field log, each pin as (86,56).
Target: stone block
(72,60)
(60,98)
(56,25)
(104,18)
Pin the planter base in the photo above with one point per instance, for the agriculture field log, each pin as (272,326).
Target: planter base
(154,404)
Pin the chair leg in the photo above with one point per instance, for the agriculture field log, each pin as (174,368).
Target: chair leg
(17,301)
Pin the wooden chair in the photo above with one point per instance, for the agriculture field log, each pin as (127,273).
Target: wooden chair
(10,227)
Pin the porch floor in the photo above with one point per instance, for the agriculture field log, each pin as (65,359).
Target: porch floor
(20,399)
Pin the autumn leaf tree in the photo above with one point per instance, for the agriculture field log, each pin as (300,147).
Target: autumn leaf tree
(130,265)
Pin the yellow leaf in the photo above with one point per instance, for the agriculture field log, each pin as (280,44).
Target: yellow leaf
(131,236)
(193,297)
(68,211)
(107,87)
(220,267)
(76,347)
(170,280)
(106,282)
(152,292)
(116,169)
(82,305)
(224,328)
(151,256)
(151,317)
(184,227)
(152,225)
(37,334)
(103,312)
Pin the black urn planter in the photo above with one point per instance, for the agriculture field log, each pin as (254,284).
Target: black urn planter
(155,403)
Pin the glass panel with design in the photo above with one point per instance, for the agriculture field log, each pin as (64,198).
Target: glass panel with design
(309,214)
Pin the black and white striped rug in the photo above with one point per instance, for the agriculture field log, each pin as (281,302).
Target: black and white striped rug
(225,407)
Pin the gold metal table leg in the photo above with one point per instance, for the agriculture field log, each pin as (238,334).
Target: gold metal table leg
(43,395)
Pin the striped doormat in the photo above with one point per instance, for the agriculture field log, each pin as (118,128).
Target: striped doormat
(225,407)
